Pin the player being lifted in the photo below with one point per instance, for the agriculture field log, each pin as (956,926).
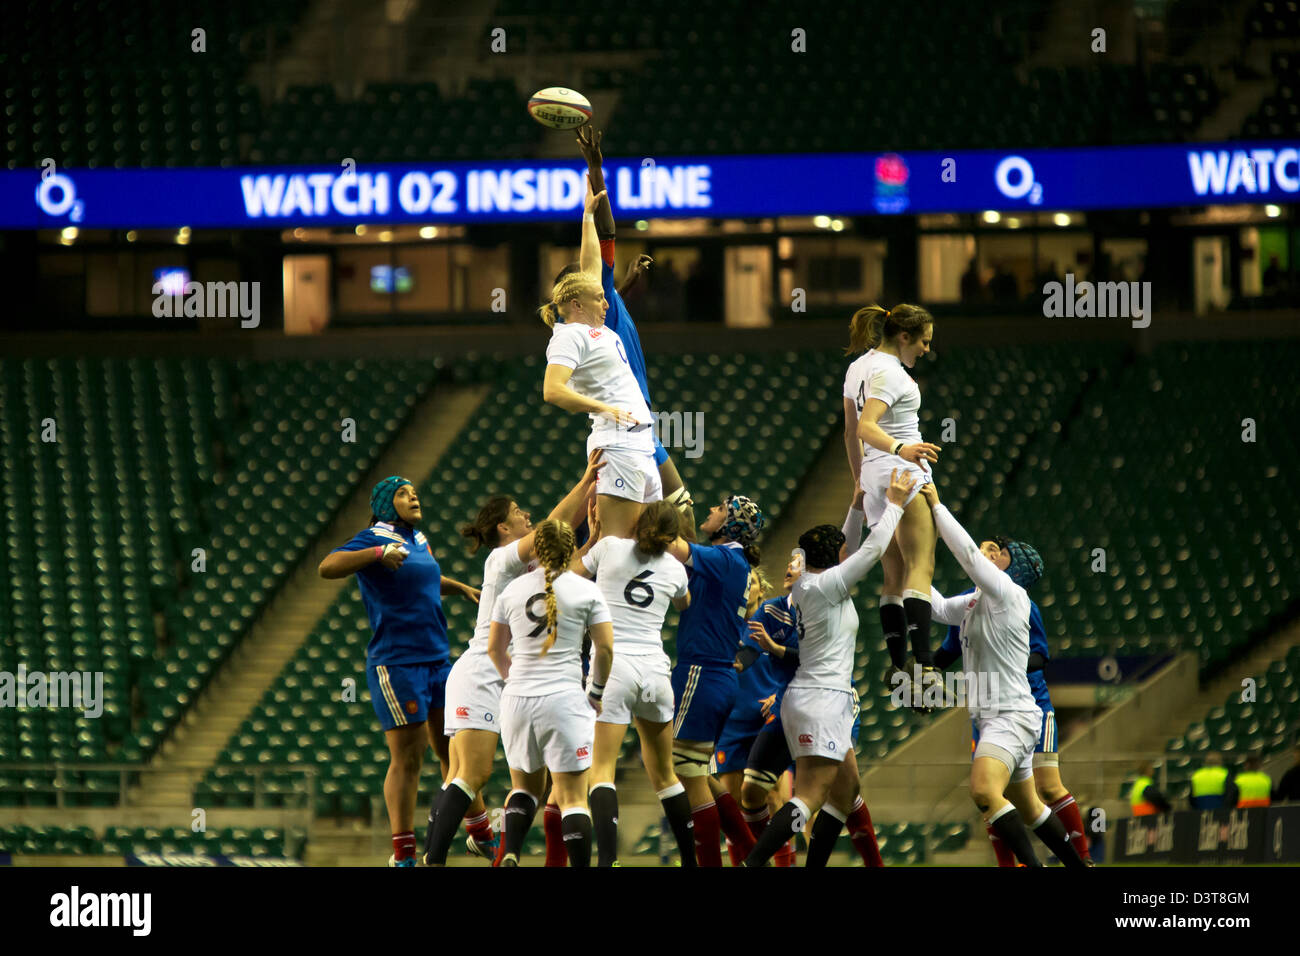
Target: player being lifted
(820,703)
(599,248)
(639,580)
(472,717)
(995,648)
(587,371)
(881,411)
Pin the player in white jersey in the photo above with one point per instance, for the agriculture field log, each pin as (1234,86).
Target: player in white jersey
(587,370)
(547,720)
(882,432)
(819,703)
(472,715)
(639,581)
(994,636)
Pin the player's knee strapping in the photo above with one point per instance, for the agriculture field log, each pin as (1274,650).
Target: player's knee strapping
(763,779)
(690,763)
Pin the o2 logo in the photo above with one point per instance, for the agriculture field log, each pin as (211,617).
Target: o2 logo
(618,344)
(1018,167)
(57,196)
(618,482)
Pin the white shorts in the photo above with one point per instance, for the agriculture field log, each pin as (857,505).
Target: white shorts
(555,731)
(1009,737)
(473,695)
(818,722)
(630,474)
(875,482)
(639,685)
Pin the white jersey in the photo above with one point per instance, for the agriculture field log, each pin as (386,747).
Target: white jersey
(601,372)
(522,606)
(638,590)
(881,376)
(828,621)
(994,623)
(501,567)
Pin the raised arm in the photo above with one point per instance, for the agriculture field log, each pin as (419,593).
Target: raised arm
(589,251)
(986,575)
(947,610)
(589,145)
(855,567)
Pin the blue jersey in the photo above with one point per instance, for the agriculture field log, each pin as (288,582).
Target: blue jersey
(404,606)
(620,320)
(768,675)
(711,629)
(1037,645)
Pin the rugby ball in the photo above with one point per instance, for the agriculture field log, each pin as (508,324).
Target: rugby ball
(559,108)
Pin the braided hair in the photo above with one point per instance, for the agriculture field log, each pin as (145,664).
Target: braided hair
(553,543)
(873,324)
(569,287)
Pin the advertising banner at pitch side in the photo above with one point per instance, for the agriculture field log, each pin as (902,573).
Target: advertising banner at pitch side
(276,197)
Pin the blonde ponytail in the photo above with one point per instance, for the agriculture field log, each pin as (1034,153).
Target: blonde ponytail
(553,543)
(570,286)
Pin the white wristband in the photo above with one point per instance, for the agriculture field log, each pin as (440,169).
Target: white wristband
(588,217)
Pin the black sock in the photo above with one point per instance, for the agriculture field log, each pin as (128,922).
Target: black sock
(1052,832)
(677,808)
(452,804)
(576,827)
(520,810)
(893,621)
(774,836)
(918,628)
(1011,831)
(825,831)
(433,815)
(604,821)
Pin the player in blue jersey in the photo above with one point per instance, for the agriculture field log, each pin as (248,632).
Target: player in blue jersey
(763,676)
(708,632)
(618,318)
(1047,762)
(407,657)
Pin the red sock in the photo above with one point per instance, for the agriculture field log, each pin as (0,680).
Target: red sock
(756,820)
(863,834)
(1067,811)
(786,855)
(1003,852)
(501,850)
(733,825)
(554,827)
(479,827)
(404,845)
(708,830)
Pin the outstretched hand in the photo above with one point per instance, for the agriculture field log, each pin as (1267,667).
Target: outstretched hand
(900,486)
(931,493)
(589,143)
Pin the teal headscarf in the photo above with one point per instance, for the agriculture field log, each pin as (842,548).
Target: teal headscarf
(381,499)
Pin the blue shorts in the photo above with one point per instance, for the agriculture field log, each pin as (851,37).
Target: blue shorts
(403,694)
(731,752)
(1047,738)
(661,456)
(704,697)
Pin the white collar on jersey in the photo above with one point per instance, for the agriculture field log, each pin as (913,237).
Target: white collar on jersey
(729,544)
(889,355)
